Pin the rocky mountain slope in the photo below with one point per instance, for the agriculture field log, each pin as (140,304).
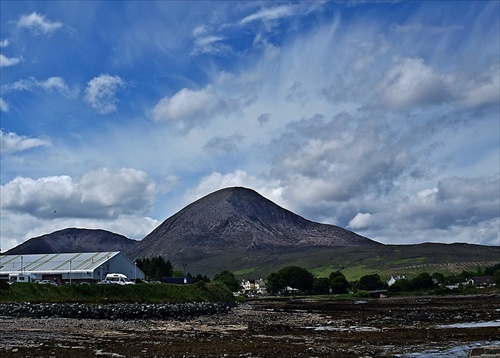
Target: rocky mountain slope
(74,240)
(239,219)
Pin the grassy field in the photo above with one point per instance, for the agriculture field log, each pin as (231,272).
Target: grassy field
(92,293)
(354,262)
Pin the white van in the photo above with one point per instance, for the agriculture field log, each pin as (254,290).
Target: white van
(118,278)
(21,277)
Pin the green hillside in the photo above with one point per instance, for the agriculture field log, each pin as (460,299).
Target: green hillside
(354,262)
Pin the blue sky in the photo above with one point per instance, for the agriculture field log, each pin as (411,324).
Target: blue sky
(382,118)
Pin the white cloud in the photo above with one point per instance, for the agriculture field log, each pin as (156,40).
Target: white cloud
(101,93)
(411,83)
(102,194)
(4,43)
(360,221)
(210,44)
(194,108)
(51,84)
(12,142)
(268,14)
(38,24)
(4,106)
(8,61)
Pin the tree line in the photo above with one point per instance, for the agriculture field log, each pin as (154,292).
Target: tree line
(155,268)
(300,279)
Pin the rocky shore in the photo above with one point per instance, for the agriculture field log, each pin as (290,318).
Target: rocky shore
(392,327)
(113,311)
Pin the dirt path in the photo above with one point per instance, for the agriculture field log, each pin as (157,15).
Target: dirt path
(395,327)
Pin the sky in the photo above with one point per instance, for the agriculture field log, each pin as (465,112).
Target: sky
(379,117)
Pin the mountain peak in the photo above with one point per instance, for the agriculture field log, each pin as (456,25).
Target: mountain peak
(240,219)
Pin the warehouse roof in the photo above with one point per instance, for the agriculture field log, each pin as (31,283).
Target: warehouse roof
(84,261)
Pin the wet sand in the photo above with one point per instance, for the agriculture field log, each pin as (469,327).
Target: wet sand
(388,327)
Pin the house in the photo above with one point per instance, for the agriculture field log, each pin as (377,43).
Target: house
(481,281)
(393,280)
(249,287)
(69,267)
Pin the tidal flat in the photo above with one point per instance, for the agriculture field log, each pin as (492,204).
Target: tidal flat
(431,326)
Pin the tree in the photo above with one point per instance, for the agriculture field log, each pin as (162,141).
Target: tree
(321,285)
(274,283)
(291,276)
(227,279)
(297,277)
(422,281)
(155,268)
(370,282)
(338,282)
(439,277)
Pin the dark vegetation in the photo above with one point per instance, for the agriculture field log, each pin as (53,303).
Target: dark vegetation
(93,293)
(156,268)
(307,283)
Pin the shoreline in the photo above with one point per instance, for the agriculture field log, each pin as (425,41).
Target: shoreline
(292,328)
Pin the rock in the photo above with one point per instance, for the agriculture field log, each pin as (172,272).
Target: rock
(113,311)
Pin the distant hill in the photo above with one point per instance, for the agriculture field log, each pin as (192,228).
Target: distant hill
(241,220)
(74,240)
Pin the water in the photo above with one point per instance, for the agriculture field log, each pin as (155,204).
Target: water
(495,323)
(461,351)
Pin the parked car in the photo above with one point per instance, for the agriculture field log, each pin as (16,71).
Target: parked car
(47,282)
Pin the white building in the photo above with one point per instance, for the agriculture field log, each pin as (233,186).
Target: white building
(69,267)
(254,286)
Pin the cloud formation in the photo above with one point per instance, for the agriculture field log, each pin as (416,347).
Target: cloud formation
(4,106)
(101,93)
(8,61)
(38,24)
(192,108)
(103,193)
(51,84)
(12,142)
(411,83)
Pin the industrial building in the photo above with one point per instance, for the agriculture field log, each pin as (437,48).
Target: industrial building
(68,267)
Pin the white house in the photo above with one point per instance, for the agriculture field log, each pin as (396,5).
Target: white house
(69,267)
(393,280)
(254,286)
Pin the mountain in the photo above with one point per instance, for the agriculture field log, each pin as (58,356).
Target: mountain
(240,220)
(73,240)
(237,229)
